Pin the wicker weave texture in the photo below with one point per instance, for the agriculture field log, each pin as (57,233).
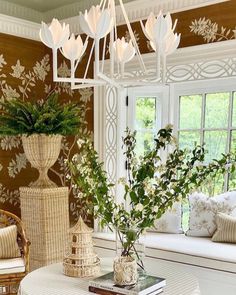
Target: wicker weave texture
(80,259)
(45,213)
(42,151)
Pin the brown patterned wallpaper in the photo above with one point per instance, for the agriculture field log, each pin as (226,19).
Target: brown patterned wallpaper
(25,69)
(197,26)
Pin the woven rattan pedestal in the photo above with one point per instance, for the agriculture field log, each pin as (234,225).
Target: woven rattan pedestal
(45,213)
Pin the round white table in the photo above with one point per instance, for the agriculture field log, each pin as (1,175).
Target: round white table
(50,280)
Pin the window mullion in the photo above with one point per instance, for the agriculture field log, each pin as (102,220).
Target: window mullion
(203,115)
(230,122)
(229,136)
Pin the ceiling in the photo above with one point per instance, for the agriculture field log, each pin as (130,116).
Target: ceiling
(42,5)
(38,10)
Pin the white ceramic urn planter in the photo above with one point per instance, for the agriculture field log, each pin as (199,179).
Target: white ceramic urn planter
(42,152)
(125,271)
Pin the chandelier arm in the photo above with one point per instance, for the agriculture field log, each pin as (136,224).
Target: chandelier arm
(88,85)
(89,60)
(103,52)
(158,62)
(143,78)
(141,62)
(133,83)
(174,26)
(72,72)
(54,64)
(96,66)
(78,80)
(103,5)
(122,69)
(111,53)
(164,68)
(108,80)
(113,36)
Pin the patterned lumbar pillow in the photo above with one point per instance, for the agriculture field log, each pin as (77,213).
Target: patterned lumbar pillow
(171,221)
(226,229)
(8,242)
(203,211)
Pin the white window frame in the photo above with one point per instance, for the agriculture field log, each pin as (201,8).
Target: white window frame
(162,94)
(162,101)
(194,63)
(203,87)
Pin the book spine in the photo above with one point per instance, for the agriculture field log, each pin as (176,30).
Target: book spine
(109,292)
(102,291)
(112,289)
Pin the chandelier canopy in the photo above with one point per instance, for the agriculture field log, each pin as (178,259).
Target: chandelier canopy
(97,24)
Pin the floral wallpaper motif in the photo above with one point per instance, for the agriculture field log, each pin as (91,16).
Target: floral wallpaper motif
(11,153)
(197,26)
(211,31)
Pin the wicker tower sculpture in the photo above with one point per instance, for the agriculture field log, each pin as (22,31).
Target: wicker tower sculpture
(80,259)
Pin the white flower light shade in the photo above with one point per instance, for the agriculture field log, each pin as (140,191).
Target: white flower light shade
(73,48)
(160,33)
(171,43)
(156,28)
(148,30)
(55,35)
(124,51)
(96,23)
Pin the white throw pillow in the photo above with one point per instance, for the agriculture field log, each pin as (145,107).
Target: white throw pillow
(204,209)
(170,221)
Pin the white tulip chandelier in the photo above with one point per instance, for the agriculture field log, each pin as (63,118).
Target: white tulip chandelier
(97,23)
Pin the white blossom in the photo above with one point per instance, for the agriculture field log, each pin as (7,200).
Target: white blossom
(139,207)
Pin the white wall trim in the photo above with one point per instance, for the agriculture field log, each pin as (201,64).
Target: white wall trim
(19,27)
(140,9)
(136,10)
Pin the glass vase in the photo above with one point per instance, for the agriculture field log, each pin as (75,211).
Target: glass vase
(130,243)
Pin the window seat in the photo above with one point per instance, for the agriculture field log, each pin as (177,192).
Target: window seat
(179,248)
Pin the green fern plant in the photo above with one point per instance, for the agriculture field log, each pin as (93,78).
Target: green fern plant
(48,117)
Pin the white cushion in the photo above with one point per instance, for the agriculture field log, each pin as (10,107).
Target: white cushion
(13,265)
(182,249)
(192,250)
(170,221)
(203,211)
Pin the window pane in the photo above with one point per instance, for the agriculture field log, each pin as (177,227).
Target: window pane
(185,216)
(144,142)
(213,186)
(232,176)
(188,139)
(234,110)
(233,141)
(190,112)
(146,113)
(232,181)
(217,108)
(215,144)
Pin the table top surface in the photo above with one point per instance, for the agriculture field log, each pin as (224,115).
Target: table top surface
(50,280)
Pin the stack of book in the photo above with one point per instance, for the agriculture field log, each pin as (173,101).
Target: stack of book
(104,285)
